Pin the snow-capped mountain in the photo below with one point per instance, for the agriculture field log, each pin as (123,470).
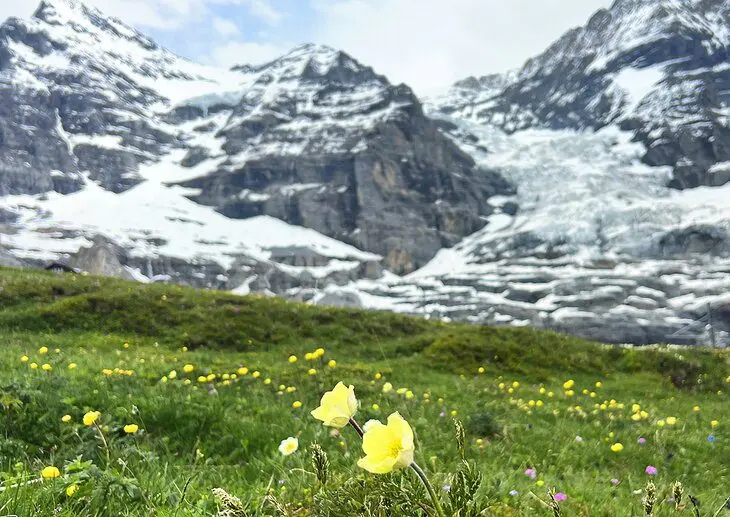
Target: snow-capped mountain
(658,68)
(546,196)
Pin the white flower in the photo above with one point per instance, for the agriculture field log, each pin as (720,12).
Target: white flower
(288,446)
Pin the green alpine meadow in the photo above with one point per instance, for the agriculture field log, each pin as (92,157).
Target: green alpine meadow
(125,399)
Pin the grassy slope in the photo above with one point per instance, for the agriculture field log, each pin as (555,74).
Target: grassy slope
(238,426)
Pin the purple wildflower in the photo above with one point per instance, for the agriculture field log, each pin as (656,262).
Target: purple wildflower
(560,496)
(641,441)
(615,481)
(651,470)
(531,473)
(513,493)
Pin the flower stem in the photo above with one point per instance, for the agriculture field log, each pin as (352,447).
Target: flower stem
(429,489)
(357,427)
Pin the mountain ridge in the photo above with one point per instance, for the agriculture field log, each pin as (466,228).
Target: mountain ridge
(541,198)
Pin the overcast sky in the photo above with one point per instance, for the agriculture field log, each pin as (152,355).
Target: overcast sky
(428,44)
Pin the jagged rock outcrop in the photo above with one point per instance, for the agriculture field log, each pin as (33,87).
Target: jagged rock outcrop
(331,145)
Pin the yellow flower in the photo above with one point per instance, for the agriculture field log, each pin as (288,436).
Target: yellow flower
(71,490)
(480,442)
(202,378)
(50,473)
(319,352)
(296,404)
(210,377)
(671,420)
(599,384)
(453,412)
(481,369)
(617,447)
(378,376)
(409,394)
(72,366)
(91,417)
(107,372)
(172,374)
(291,389)
(292,359)
(636,417)
(24,359)
(337,407)
(376,407)
(569,393)
(568,384)
(515,385)
(550,394)
(188,368)
(256,374)
(312,371)
(66,419)
(43,350)
(288,446)
(131,428)
(46,367)
(696,409)
(660,423)
(242,370)
(309,356)
(387,387)
(714,423)
(33,366)
(539,403)
(539,482)
(267,381)
(332,363)
(387,447)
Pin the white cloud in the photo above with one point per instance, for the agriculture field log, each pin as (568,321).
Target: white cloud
(225,27)
(158,14)
(429,44)
(245,52)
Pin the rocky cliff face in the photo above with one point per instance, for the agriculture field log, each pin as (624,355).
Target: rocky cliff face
(658,68)
(321,141)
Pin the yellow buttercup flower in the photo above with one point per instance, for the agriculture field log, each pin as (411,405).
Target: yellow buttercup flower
(332,363)
(568,384)
(172,374)
(43,350)
(617,447)
(50,473)
(288,446)
(481,369)
(696,409)
(24,359)
(292,359)
(337,407)
(387,387)
(131,428)
(312,371)
(714,423)
(46,367)
(91,417)
(33,366)
(242,370)
(378,376)
(387,447)
(72,366)
(296,404)
(188,368)
(66,419)
(671,420)
(71,490)
(256,375)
